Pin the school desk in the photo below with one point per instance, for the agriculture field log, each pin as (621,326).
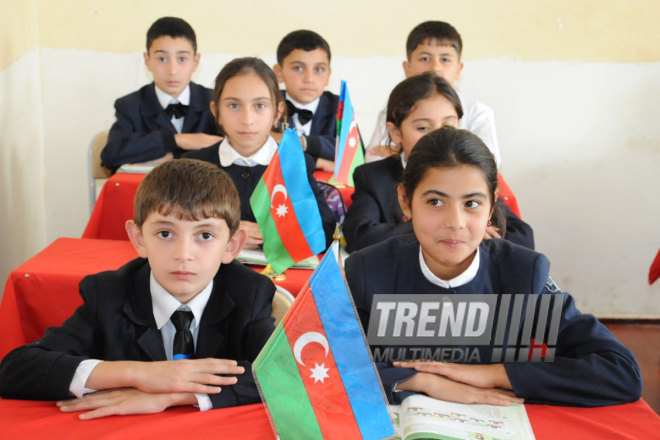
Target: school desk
(34,420)
(115,205)
(43,291)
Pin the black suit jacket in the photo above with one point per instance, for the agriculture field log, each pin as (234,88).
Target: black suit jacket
(376,215)
(323,132)
(116,322)
(144,132)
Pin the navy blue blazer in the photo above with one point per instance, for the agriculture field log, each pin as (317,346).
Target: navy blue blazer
(144,132)
(323,132)
(376,215)
(591,368)
(246,180)
(116,322)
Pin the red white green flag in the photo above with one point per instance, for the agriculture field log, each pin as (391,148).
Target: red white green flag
(315,373)
(286,209)
(349,152)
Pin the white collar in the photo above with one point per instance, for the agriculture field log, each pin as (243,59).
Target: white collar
(404,162)
(312,106)
(164,304)
(229,155)
(164,99)
(463,278)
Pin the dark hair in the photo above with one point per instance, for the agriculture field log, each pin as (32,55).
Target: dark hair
(449,147)
(442,32)
(301,39)
(408,92)
(171,27)
(241,66)
(191,189)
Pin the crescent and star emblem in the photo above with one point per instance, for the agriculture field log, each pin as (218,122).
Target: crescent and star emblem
(319,372)
(278,188)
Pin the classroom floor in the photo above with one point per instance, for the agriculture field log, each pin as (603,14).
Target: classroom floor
(644,340)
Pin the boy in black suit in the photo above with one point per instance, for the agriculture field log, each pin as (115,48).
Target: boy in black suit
(303,65)
(163,119)
(184,298)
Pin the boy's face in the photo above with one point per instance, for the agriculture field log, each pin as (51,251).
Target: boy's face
(431,56)
(184,255)
(172,62)
(305,74)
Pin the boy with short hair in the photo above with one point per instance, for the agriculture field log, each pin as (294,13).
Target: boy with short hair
(184,298)
(436,46)
(163,119)
(303,65)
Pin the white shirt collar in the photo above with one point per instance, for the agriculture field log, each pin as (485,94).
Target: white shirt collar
(164,304)
(164,99)
(229,155)
(312,106)
(404,162)
(464,278)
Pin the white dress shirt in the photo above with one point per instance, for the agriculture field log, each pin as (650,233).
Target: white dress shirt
(163,305)
(303,130)
(229,155)
(164,99)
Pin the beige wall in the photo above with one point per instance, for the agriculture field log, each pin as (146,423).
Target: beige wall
(574,87)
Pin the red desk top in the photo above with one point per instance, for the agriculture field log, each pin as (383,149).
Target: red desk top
(43,291)
(34,420)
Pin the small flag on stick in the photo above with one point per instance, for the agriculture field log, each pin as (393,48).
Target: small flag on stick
(349,153)
(286,209)
(315,373)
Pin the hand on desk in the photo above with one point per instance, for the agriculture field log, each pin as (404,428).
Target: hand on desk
(123,402)
(254,238)
(462,383)
(195,141)
(182,376)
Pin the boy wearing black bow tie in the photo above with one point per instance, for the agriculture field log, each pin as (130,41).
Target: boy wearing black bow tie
(303,65)
(163,119)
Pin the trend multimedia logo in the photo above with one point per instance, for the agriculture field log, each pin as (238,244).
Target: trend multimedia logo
(465,328)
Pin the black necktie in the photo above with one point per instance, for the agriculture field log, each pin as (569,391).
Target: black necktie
(304,116)
(184,346)
(178,110)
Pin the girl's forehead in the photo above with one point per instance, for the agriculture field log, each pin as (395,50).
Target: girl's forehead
(462,178)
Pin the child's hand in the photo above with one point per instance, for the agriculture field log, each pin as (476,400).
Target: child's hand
(476,375)
(492,232)
(443,388)
(195,141)
(254,238)
(325,164)
(122,402)
(182,376)
(186,376)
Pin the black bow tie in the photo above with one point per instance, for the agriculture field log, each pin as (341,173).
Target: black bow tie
(178,110)
(304,116)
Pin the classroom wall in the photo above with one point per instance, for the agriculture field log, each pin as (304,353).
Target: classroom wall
(574,87)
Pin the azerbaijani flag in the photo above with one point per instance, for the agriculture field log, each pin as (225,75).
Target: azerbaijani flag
(286,209)
(315,373)
(348,153)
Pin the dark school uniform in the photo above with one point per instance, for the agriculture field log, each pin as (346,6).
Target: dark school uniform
(144,132)
(323,132)
(591,368)
(116,322)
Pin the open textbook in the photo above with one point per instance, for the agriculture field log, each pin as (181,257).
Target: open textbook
(422,417)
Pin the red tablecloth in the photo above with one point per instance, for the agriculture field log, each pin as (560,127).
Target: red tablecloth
(39,420)
(43,291)
(115,205)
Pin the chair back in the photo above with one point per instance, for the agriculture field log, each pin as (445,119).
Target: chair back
(94,168)
(282,300)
